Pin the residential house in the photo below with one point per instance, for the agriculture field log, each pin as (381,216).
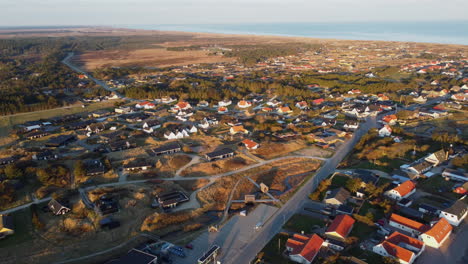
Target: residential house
(418,167)
(238,129)
(45,155)
(351,124)
(437,157)
(407,225)
(123,110)
(340,227)
(36,134)
(140,165)
(249,144)
(149,126)
(244,104)
(6,226)
(167,149)
(403,190)
(318,101)
(120,145)
(96,128)
(437,234)
(59,141)
(337,196)
(284,110)
(302,105)
(224,103)
(222,110)
(303,249)
(106,205)
(145,105)
(455,175)
(94,167)
(420,99)
(220,154)
(455,213)
(401,247)
(390,119)
(385,131)
(182,106)
(58,208)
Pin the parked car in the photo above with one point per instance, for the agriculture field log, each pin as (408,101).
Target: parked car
(189,246)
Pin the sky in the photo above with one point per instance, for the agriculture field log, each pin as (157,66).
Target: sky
(139,12)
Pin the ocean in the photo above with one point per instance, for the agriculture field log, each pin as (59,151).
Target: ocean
(447,32)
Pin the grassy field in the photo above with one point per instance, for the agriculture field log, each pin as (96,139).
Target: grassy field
(438,186)
(7,122)
(22,227)
(298,223)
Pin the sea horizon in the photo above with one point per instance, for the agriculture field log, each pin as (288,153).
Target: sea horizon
(443,32)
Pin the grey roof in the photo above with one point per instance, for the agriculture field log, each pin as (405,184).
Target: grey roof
(220,152)
(340,194)
(167,147)
(458,209)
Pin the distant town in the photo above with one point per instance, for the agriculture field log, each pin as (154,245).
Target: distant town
(277,151)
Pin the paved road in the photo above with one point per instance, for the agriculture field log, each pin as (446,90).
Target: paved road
(67,62)
(36,201)
(294,205)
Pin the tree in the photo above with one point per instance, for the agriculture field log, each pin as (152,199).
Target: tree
(353,185)
(13,172)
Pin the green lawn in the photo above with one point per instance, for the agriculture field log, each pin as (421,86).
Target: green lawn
(371,166)
(362,231)
(274,249)
(298,223)
(438,186)
(339,180)
(22,227)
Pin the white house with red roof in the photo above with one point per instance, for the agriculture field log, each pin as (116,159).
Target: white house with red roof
(145,105)
(401,247)
(340,227)
(303,249)
(302,105)
(182,105)
(437,234)
(385,131)
(407,225)
(244,104)
(249,144)
(403,190)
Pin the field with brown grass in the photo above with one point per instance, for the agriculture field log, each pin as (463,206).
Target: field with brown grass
(145,57)
(269,150)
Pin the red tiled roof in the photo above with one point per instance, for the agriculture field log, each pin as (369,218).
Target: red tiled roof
(342,225)
(440,230)
(397,238)
(249,143)
(182,105)
(318,101)
(305,246)
(397,252)
(405,188)
(408,222)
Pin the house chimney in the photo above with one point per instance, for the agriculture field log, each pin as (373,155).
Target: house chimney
(302,232)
